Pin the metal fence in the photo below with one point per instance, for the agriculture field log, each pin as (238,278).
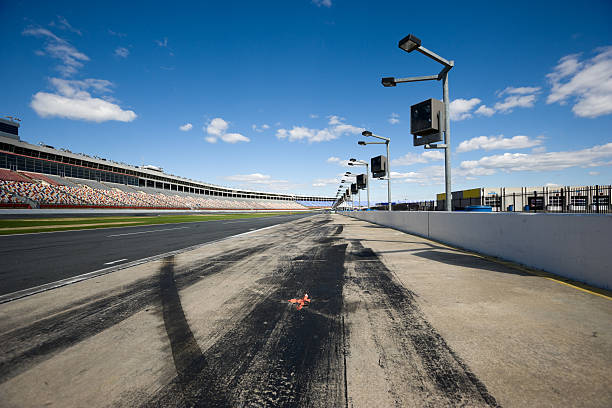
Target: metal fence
(588,199)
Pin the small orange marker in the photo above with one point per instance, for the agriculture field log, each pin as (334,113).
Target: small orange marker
(300,302)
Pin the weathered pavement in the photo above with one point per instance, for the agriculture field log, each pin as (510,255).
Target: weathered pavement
(395,320)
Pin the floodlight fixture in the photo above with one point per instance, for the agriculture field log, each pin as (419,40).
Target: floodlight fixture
(366,133)
(409,43)
(361,143)
(352,160)
(350,163)
(388,81)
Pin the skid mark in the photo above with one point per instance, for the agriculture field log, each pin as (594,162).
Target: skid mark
(27,346)
(442,369)
(275,355)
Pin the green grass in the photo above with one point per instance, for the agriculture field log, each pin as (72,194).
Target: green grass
(16,226)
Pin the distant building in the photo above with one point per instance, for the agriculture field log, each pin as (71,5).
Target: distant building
(545,198)
(9,128)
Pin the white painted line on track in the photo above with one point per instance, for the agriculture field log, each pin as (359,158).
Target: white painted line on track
(9,297)
(114,262)
(145,232)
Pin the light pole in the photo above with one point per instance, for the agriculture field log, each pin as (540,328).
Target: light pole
(349,174)
(386,142)
(409,44)
(354,162)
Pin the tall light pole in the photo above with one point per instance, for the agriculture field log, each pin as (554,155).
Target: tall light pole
(386,142)
(349,174)
(409,44)
(353,162)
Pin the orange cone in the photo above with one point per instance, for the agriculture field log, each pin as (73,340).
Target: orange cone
(301,302)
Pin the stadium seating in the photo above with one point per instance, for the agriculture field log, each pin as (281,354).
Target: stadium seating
(49,191)
(40,177)
(8,175)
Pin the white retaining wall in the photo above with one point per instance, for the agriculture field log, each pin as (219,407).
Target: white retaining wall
(576,246)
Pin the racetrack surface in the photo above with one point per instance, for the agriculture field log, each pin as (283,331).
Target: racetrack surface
(395,320)
(35,259)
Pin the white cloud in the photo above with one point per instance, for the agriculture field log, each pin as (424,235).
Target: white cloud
(186,127)
(516,97)
(513,162)
(313,116)
(258,179)
(593,173)
(122,52)
(588,83)
(63,24)
(324,3)
(433,155)
(460,109)
(58,48)
(336,129)
(394,119)
(515,101)
(521,90)
(116,34)
(484,110)
(74,102)
(217,128)
(234,138)
(498,142)
(326,182)
(163,43)
(335,120)
(426,176)
(261,128)
(338,161)
(413,158)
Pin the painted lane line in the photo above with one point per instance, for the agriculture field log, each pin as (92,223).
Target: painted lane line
(145,232)
(9,297)
(114,262)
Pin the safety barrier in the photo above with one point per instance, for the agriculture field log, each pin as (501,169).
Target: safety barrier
(574,246)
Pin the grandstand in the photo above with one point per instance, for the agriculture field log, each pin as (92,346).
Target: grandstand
(40,176)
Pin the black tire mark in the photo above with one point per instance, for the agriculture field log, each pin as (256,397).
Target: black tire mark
(186,353)
(444,368)
(275,355)
(22,348)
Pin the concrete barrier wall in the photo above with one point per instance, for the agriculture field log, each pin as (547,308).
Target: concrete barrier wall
(576,246)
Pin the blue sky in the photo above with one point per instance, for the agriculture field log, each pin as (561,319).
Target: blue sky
(273,95)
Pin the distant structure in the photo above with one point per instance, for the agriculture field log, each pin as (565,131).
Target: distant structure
(154,168)
(544,198)
(17,155)
(9,127)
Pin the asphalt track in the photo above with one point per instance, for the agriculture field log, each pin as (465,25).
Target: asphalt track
(31,260)
(395,321)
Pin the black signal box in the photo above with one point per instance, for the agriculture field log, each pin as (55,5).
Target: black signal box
(424,117)
(361,181)
(379,166)
(354,189)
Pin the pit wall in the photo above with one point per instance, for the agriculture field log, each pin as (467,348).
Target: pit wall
(575,246)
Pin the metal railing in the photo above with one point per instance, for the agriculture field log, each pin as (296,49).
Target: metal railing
(587,199)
